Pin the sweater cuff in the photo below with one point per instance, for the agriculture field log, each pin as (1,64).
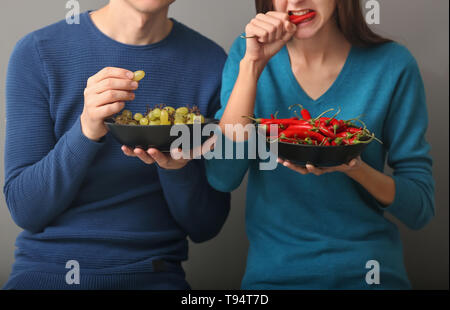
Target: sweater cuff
(240,147)
(81,146)
(402,200)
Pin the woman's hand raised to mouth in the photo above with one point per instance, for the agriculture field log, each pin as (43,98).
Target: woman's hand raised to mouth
(271,32)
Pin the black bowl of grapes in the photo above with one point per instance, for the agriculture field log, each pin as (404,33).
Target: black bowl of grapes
(152,129)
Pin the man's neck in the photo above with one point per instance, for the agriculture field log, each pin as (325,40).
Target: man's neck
(123,23)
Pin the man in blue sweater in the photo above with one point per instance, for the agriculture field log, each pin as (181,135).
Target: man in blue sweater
(93,217)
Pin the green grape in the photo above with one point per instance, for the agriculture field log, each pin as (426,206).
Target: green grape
(194,118)
(164,117)
(199,118)
(179,119)
(121,120)
(155,114)
(169,109)
(182,111)
(190,118)
(156,122)
(138,116)
(127,114)
(132,122)
(138,75)
(143,121)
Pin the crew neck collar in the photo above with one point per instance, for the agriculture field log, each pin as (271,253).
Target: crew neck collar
(87,20)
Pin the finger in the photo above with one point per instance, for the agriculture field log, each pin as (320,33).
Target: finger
(178,154)
(128,151)
(313,170)
(110,72)
(111,95)
(277,24)
(296,168)
(328,169)
(352,163)
(261,34)
(270,29)
(290,29)
(146,158)
(161,159)
(107,110)
(115,84)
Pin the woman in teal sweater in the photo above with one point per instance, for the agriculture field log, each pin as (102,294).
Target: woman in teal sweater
(324,228)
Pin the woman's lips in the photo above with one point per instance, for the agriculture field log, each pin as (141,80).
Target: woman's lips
(301,16)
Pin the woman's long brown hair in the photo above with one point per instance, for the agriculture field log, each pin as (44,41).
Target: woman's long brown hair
(350,21)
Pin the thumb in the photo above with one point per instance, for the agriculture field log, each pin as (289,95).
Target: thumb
(159,157)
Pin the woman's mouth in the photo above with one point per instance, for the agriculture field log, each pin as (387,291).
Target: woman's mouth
(301,16)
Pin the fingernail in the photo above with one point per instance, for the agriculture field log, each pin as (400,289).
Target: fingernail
(134,84)
(130,74)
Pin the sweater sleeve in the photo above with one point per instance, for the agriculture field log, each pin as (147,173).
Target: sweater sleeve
(227,174)
(195,205)
(408,151)
(199,209)
(42,174)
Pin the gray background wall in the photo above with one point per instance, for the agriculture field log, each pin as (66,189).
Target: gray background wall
(422,25)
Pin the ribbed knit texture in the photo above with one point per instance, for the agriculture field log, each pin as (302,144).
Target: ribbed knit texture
(318,232)
(77,199)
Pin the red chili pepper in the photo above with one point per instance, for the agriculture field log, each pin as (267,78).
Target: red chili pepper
(337,141)
(305,113)
(321,125)
(302,133)
(353,140)
(325,142)
(295,19)
(269,121)
(295,130)
(345,135)
(354,130)
(266,127)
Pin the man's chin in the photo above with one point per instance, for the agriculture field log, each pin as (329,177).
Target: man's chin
(145,8)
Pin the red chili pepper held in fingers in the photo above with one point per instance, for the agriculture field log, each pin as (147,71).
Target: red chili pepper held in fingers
(295,19)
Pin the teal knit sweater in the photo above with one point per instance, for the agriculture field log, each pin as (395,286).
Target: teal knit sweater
(318,232)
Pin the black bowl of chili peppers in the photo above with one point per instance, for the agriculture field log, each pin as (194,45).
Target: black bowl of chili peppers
(321,141)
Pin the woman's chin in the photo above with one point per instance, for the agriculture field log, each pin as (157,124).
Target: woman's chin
(307,30)
(303,34)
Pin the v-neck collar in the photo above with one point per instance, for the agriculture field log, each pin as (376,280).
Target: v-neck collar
(286,67)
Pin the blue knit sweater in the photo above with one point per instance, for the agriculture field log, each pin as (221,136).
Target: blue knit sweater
(319,232)
(81,200)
